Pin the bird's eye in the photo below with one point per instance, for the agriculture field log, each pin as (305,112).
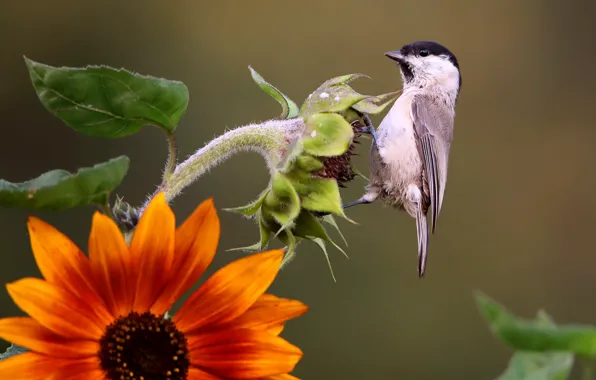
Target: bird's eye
(423,53)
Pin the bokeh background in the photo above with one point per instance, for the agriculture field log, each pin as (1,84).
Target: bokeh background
(519,214)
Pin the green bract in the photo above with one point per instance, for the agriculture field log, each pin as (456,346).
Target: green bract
(303,186)
(102,101)
(289,108)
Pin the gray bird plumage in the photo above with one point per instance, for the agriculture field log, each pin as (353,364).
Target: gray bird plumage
(410,155)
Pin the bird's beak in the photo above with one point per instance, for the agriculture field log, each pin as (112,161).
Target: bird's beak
(395,55)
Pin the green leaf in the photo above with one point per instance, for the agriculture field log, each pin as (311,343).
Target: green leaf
(12,351)
(376,104)
(251,208)
(327,134)
(525,335)
(538,365)
(282,201)
(334,98)
(106,102)
(289,108)
(59,190)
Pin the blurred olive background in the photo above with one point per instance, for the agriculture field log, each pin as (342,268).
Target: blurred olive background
(519,213)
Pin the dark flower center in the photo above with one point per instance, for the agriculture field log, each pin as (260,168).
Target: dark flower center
(144,347)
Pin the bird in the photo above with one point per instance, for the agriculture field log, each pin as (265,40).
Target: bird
(410,149)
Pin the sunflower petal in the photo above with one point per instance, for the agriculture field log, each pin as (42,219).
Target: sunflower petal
(80,369)
(111,264)
(152,247)
(229,292)
(56,309)
(26,332)
(29,366)
(243,353)
(285,376)
(195,245)
(269,313)
(63,264)
(198,374)
(96,374)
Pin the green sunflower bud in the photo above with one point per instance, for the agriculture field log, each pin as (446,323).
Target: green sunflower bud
(303,192)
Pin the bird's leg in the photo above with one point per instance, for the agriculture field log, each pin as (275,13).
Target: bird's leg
(370,129)
(354,203)
(357,202)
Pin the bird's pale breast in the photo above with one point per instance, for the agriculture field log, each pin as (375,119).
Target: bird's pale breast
(398,148)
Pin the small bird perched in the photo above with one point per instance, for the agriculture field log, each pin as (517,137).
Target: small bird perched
(411,147)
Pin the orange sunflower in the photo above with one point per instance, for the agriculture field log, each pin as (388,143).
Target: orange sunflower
(102,317)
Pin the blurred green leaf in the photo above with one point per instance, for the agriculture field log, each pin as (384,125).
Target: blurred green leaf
(327,134)
(282,201)
(376,104)
(539,365)
(102,101)
(59,190)
(525,335)
(251,208)
(289,108)
(12,351)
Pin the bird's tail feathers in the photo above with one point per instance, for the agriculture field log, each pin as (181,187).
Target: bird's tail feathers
(422,232)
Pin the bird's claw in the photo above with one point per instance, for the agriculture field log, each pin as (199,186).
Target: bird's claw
(370,129)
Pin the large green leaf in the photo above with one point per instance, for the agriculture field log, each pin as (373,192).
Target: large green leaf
(106,102)
(526,335)
(289,108)
(59,190)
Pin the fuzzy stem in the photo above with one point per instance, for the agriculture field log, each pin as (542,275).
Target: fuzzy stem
(269,139)
(172,157)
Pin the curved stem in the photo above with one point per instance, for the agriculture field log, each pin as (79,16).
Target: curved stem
(172,157)
(270,139)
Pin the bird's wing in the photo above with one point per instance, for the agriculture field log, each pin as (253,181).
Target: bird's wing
(433,124)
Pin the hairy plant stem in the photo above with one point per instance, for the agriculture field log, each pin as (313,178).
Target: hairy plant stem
(269,139)
(172,157)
